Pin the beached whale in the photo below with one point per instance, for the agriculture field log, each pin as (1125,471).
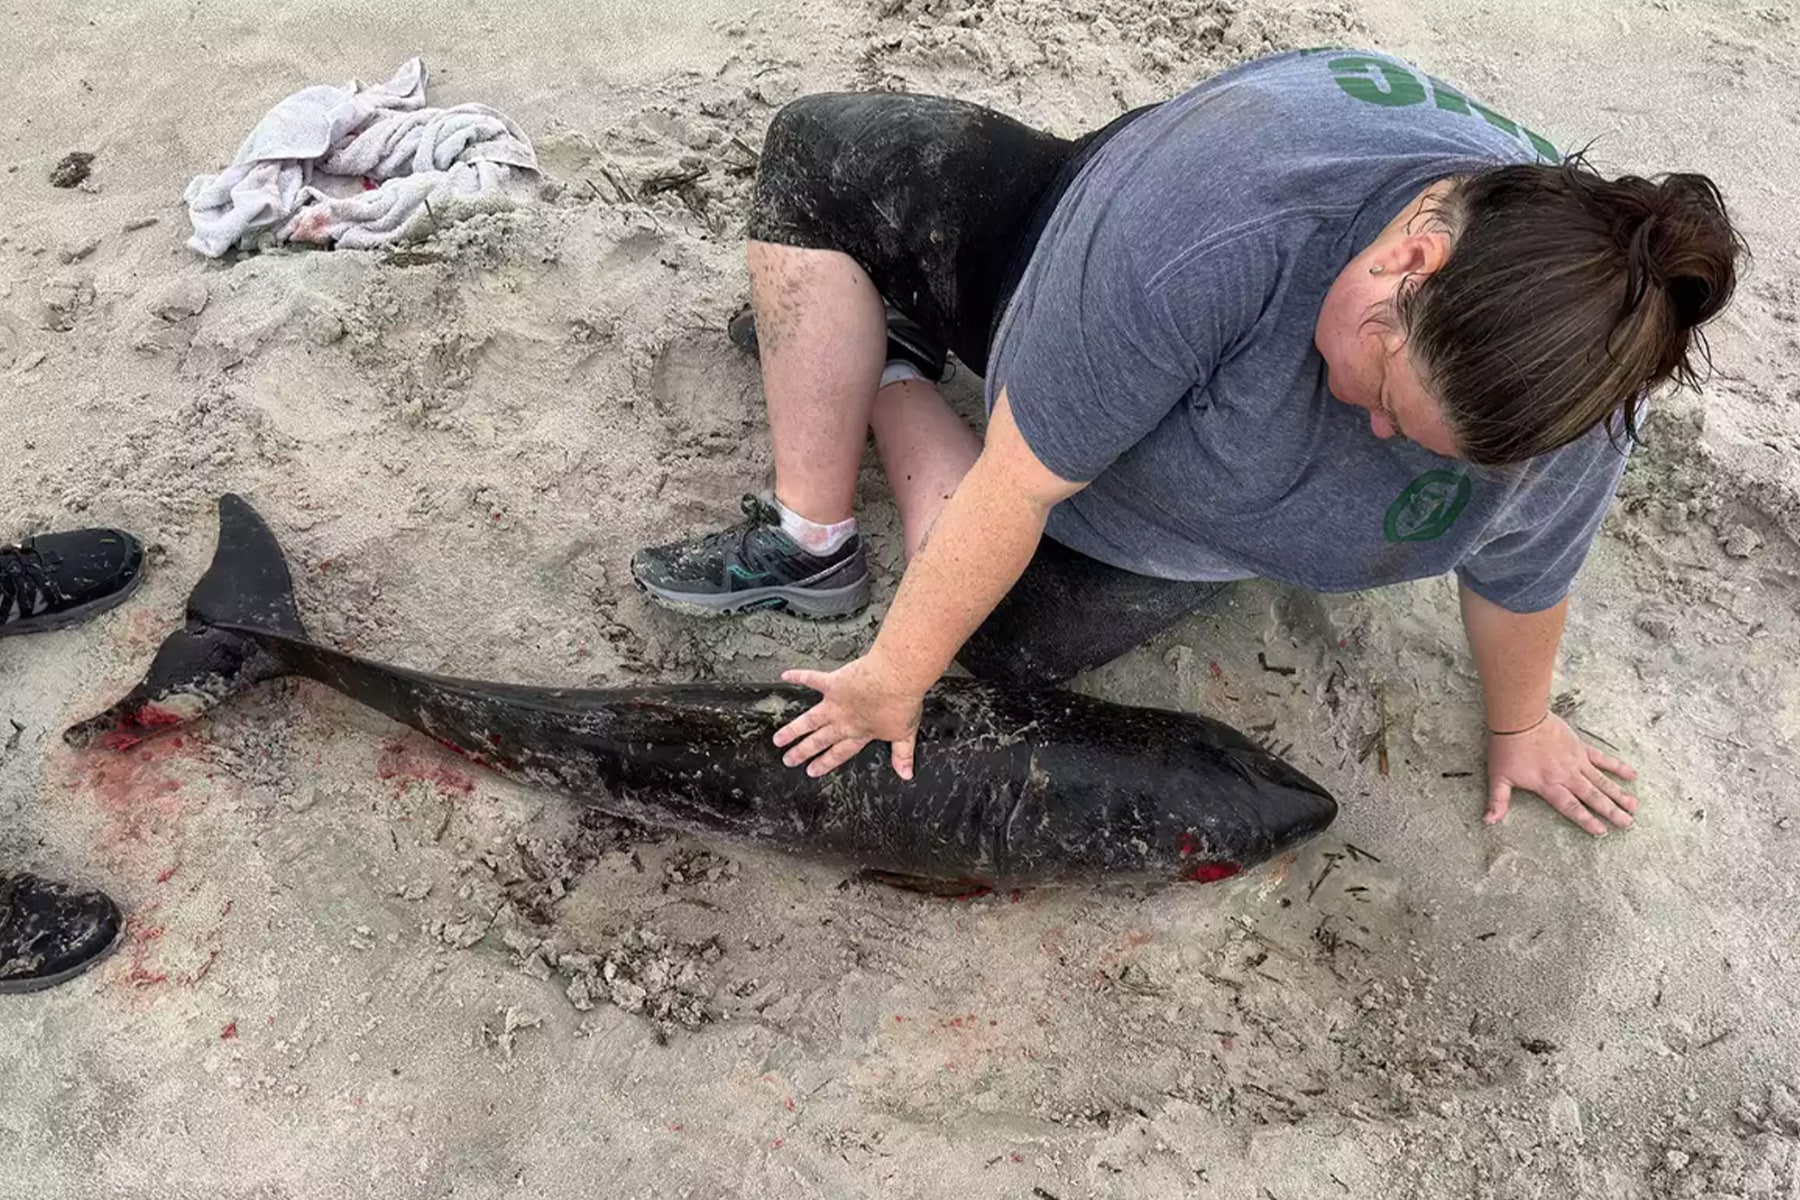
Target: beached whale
(1010,787)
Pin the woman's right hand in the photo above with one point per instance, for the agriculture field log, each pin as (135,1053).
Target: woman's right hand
(860,702)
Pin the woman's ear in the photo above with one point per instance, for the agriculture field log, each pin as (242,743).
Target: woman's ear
(1425,252)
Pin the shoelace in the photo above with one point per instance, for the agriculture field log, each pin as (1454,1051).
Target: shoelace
(761,514)
(24,580)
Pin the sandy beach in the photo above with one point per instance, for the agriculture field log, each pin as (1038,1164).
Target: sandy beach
(357,965)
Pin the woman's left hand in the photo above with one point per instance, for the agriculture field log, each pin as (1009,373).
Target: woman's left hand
(1571,776)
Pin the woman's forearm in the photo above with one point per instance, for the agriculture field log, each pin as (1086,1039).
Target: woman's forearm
(1516,656)
(973,554)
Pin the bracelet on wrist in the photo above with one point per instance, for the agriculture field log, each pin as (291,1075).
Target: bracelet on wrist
(1516,732)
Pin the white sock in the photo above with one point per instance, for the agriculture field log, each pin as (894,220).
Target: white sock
(897,371)
(813,537)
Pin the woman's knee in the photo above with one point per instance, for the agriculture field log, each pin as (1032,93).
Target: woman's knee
(795,119)
(800,197)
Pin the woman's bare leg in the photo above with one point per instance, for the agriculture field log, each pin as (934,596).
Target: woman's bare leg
(925,450)
(821,333)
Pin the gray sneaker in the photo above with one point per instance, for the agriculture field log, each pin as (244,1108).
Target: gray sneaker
(754,566)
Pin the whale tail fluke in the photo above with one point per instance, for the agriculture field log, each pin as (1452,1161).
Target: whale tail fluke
(247,590)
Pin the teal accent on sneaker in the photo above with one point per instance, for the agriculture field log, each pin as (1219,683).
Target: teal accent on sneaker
(754,566)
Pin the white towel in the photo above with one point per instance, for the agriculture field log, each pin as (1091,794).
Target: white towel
(357,167)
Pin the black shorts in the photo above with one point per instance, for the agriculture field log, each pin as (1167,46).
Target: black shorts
(941,202)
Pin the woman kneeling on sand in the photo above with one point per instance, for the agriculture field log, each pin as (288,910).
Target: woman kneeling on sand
(1322,320)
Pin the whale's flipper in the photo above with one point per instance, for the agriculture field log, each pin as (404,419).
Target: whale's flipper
(215,656)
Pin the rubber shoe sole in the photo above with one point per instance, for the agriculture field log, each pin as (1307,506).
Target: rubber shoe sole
(811,603)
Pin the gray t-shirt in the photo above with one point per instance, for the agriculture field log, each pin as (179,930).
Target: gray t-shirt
(1160,347)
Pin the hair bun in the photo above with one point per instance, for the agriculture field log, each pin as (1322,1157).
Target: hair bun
(1685,246)
(1692,297)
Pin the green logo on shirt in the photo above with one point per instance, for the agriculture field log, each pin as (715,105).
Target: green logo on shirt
(1390,85)
(1428,507)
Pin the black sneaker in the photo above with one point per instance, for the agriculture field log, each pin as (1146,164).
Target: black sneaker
(754,566)
(58,579)
(50,932)
(907,342)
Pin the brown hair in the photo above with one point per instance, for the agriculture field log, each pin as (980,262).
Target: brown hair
(1565,300)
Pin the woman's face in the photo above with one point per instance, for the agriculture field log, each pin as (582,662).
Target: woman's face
(1366,363)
